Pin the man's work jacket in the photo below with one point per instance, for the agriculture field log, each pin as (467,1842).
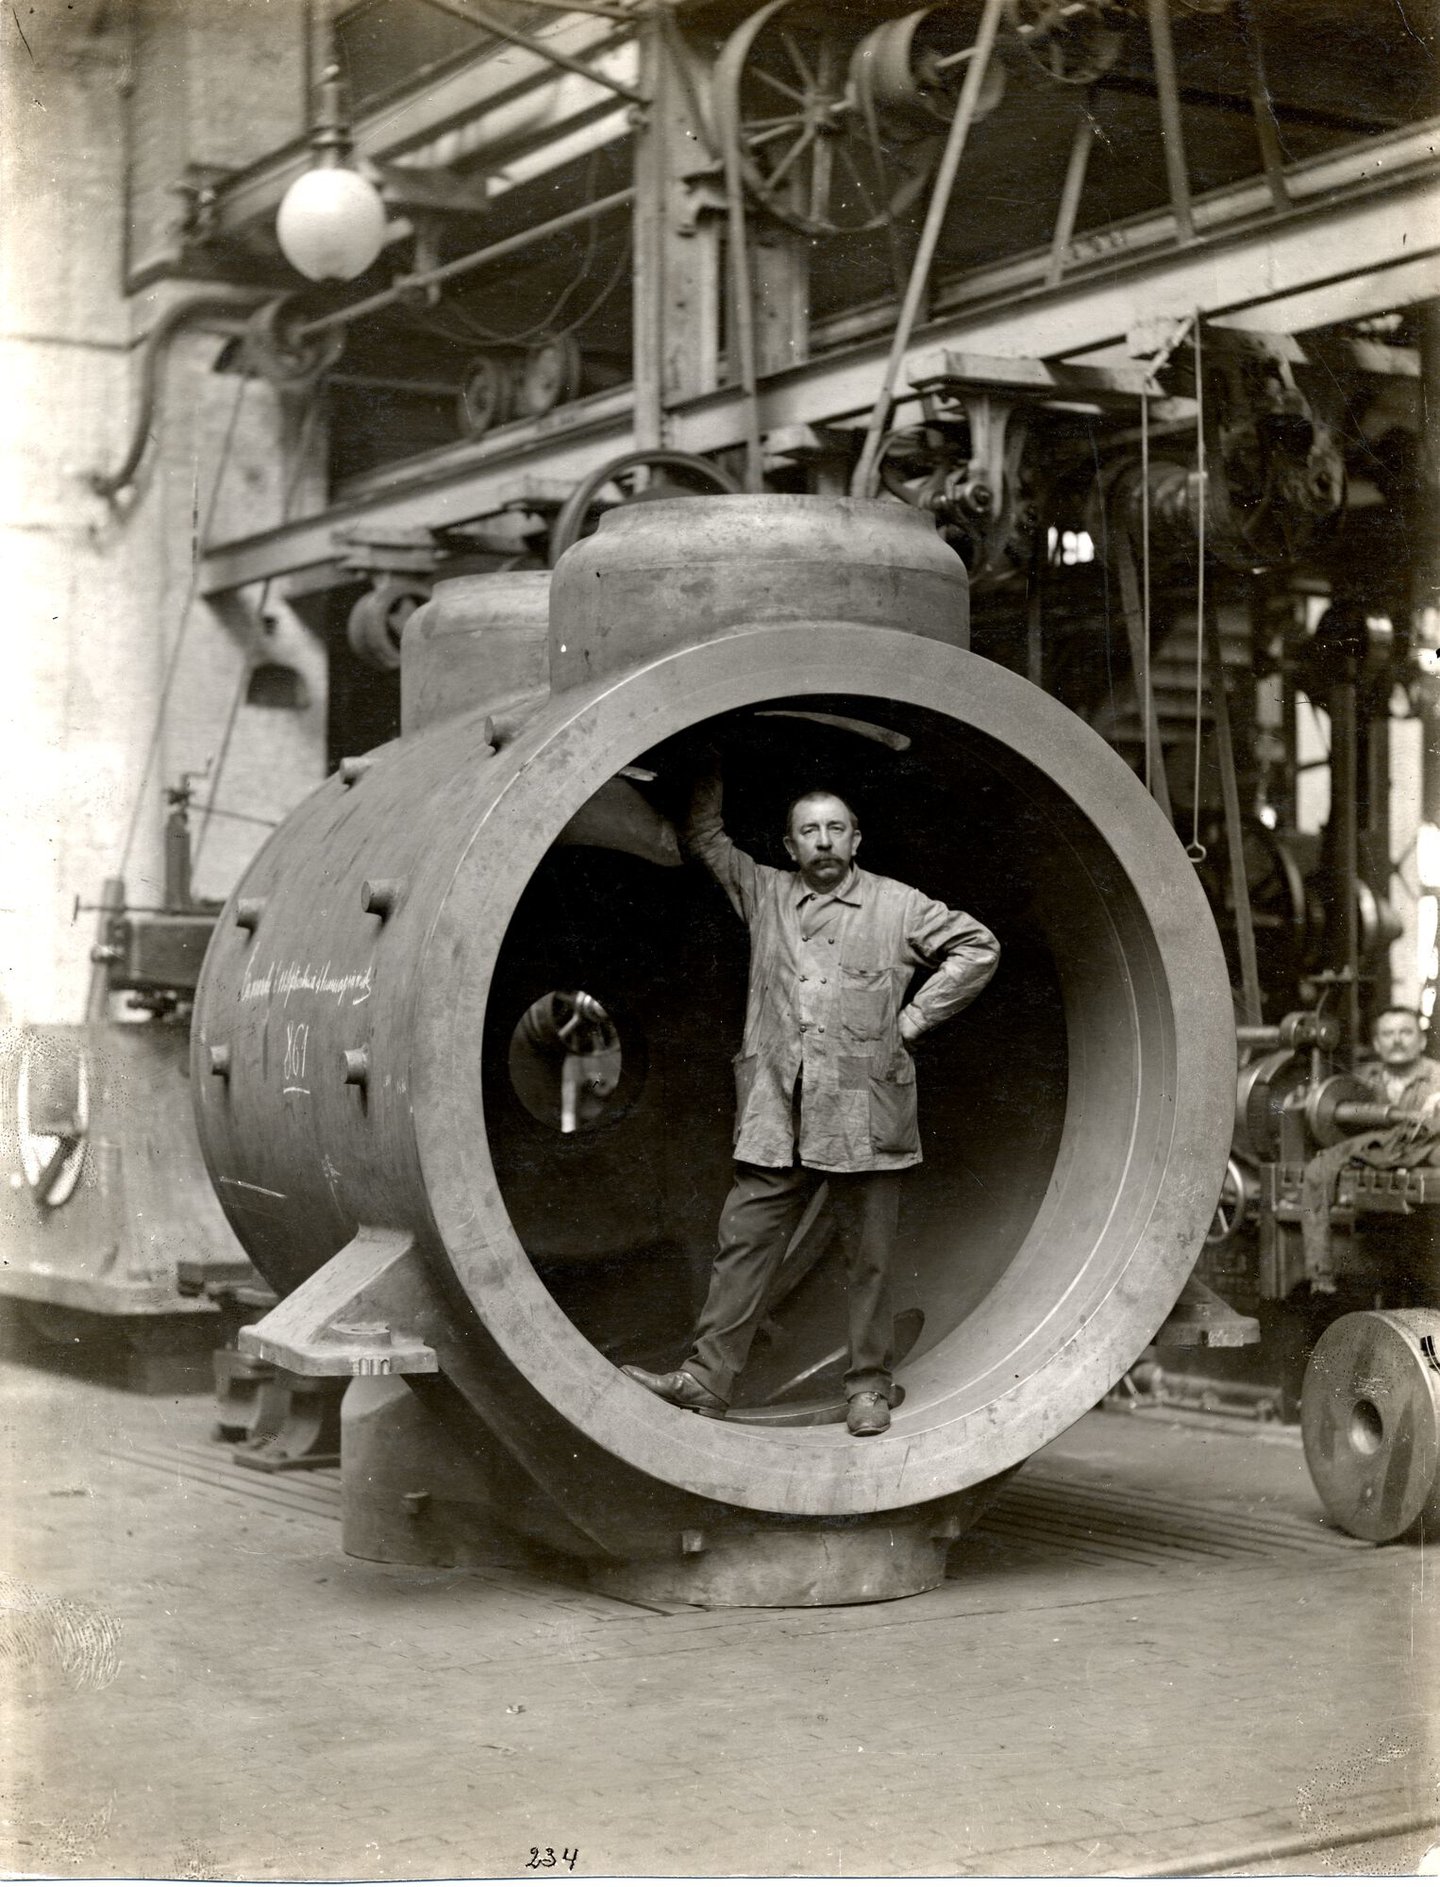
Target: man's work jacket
(828,975)
(1419,1093)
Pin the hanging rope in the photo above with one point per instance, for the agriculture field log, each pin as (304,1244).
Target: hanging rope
(1195,849)
(199,534)
(302,448)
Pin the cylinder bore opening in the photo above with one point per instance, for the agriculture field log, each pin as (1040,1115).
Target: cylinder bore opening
(1028,1101)
(1367,1427)
(567,1062)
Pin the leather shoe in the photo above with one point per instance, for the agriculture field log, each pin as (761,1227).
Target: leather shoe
(868,1413)
(679,1387)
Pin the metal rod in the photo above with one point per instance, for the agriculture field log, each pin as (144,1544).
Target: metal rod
(623,16)
(648,244)
(1267,129)
(1070,194)
(1424,586)
(1209,628)
(1197,851)
(742,312)
(1257,1035)
(245,818)
(404,285)
(1132,608)
(396,383)
(929,240)
(112,904)
(1344,818)
(1152,730)
(1173,136)
(475,15)
(1024,30)
(1035,608)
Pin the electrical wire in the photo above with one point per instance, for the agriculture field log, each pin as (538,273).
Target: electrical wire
(200,533)
(456,324)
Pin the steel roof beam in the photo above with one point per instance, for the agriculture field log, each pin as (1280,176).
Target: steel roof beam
(403,125)
(1381,223)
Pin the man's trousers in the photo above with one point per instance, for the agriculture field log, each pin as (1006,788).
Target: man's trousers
(756,1225)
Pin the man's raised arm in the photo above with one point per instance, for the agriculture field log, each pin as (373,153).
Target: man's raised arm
(704,837)
(963,953)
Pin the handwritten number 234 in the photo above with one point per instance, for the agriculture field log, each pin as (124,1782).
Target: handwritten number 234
(546,1857)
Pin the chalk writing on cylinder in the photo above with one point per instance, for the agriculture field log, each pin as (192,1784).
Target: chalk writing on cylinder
(297,1039)
(284,980)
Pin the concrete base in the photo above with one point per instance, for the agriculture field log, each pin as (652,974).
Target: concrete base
(412,1494)
(831,1563)
(416,1494)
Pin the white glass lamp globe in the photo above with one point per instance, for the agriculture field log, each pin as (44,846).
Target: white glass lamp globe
(331,224)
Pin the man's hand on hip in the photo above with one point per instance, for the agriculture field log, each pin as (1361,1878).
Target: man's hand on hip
(910,1030)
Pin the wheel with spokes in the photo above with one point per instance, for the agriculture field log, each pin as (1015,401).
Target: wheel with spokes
(784,105)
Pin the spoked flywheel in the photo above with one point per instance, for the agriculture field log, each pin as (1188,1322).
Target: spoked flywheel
(783,102)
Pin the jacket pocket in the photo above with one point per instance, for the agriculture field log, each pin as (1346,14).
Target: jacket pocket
(894,1116)
(865,1003)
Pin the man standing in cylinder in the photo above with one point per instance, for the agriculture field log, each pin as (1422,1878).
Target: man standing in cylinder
(825,1083)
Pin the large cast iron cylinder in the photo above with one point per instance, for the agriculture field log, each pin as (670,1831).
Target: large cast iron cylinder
(361,1027)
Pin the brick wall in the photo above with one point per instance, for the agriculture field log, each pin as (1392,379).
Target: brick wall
(97,592)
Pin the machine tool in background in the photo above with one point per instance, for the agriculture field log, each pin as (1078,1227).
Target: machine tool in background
(1329,1232)
(114,1245)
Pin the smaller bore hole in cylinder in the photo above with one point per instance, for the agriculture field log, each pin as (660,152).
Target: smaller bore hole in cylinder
(566,1059)
(1367,1429)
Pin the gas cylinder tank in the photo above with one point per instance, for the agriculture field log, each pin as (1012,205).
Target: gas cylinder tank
(463,1039)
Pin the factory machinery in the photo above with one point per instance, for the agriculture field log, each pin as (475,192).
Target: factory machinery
(1051,527)
(107,1227)
(399,1146)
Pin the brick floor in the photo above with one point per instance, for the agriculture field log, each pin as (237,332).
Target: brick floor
(1215,1675)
